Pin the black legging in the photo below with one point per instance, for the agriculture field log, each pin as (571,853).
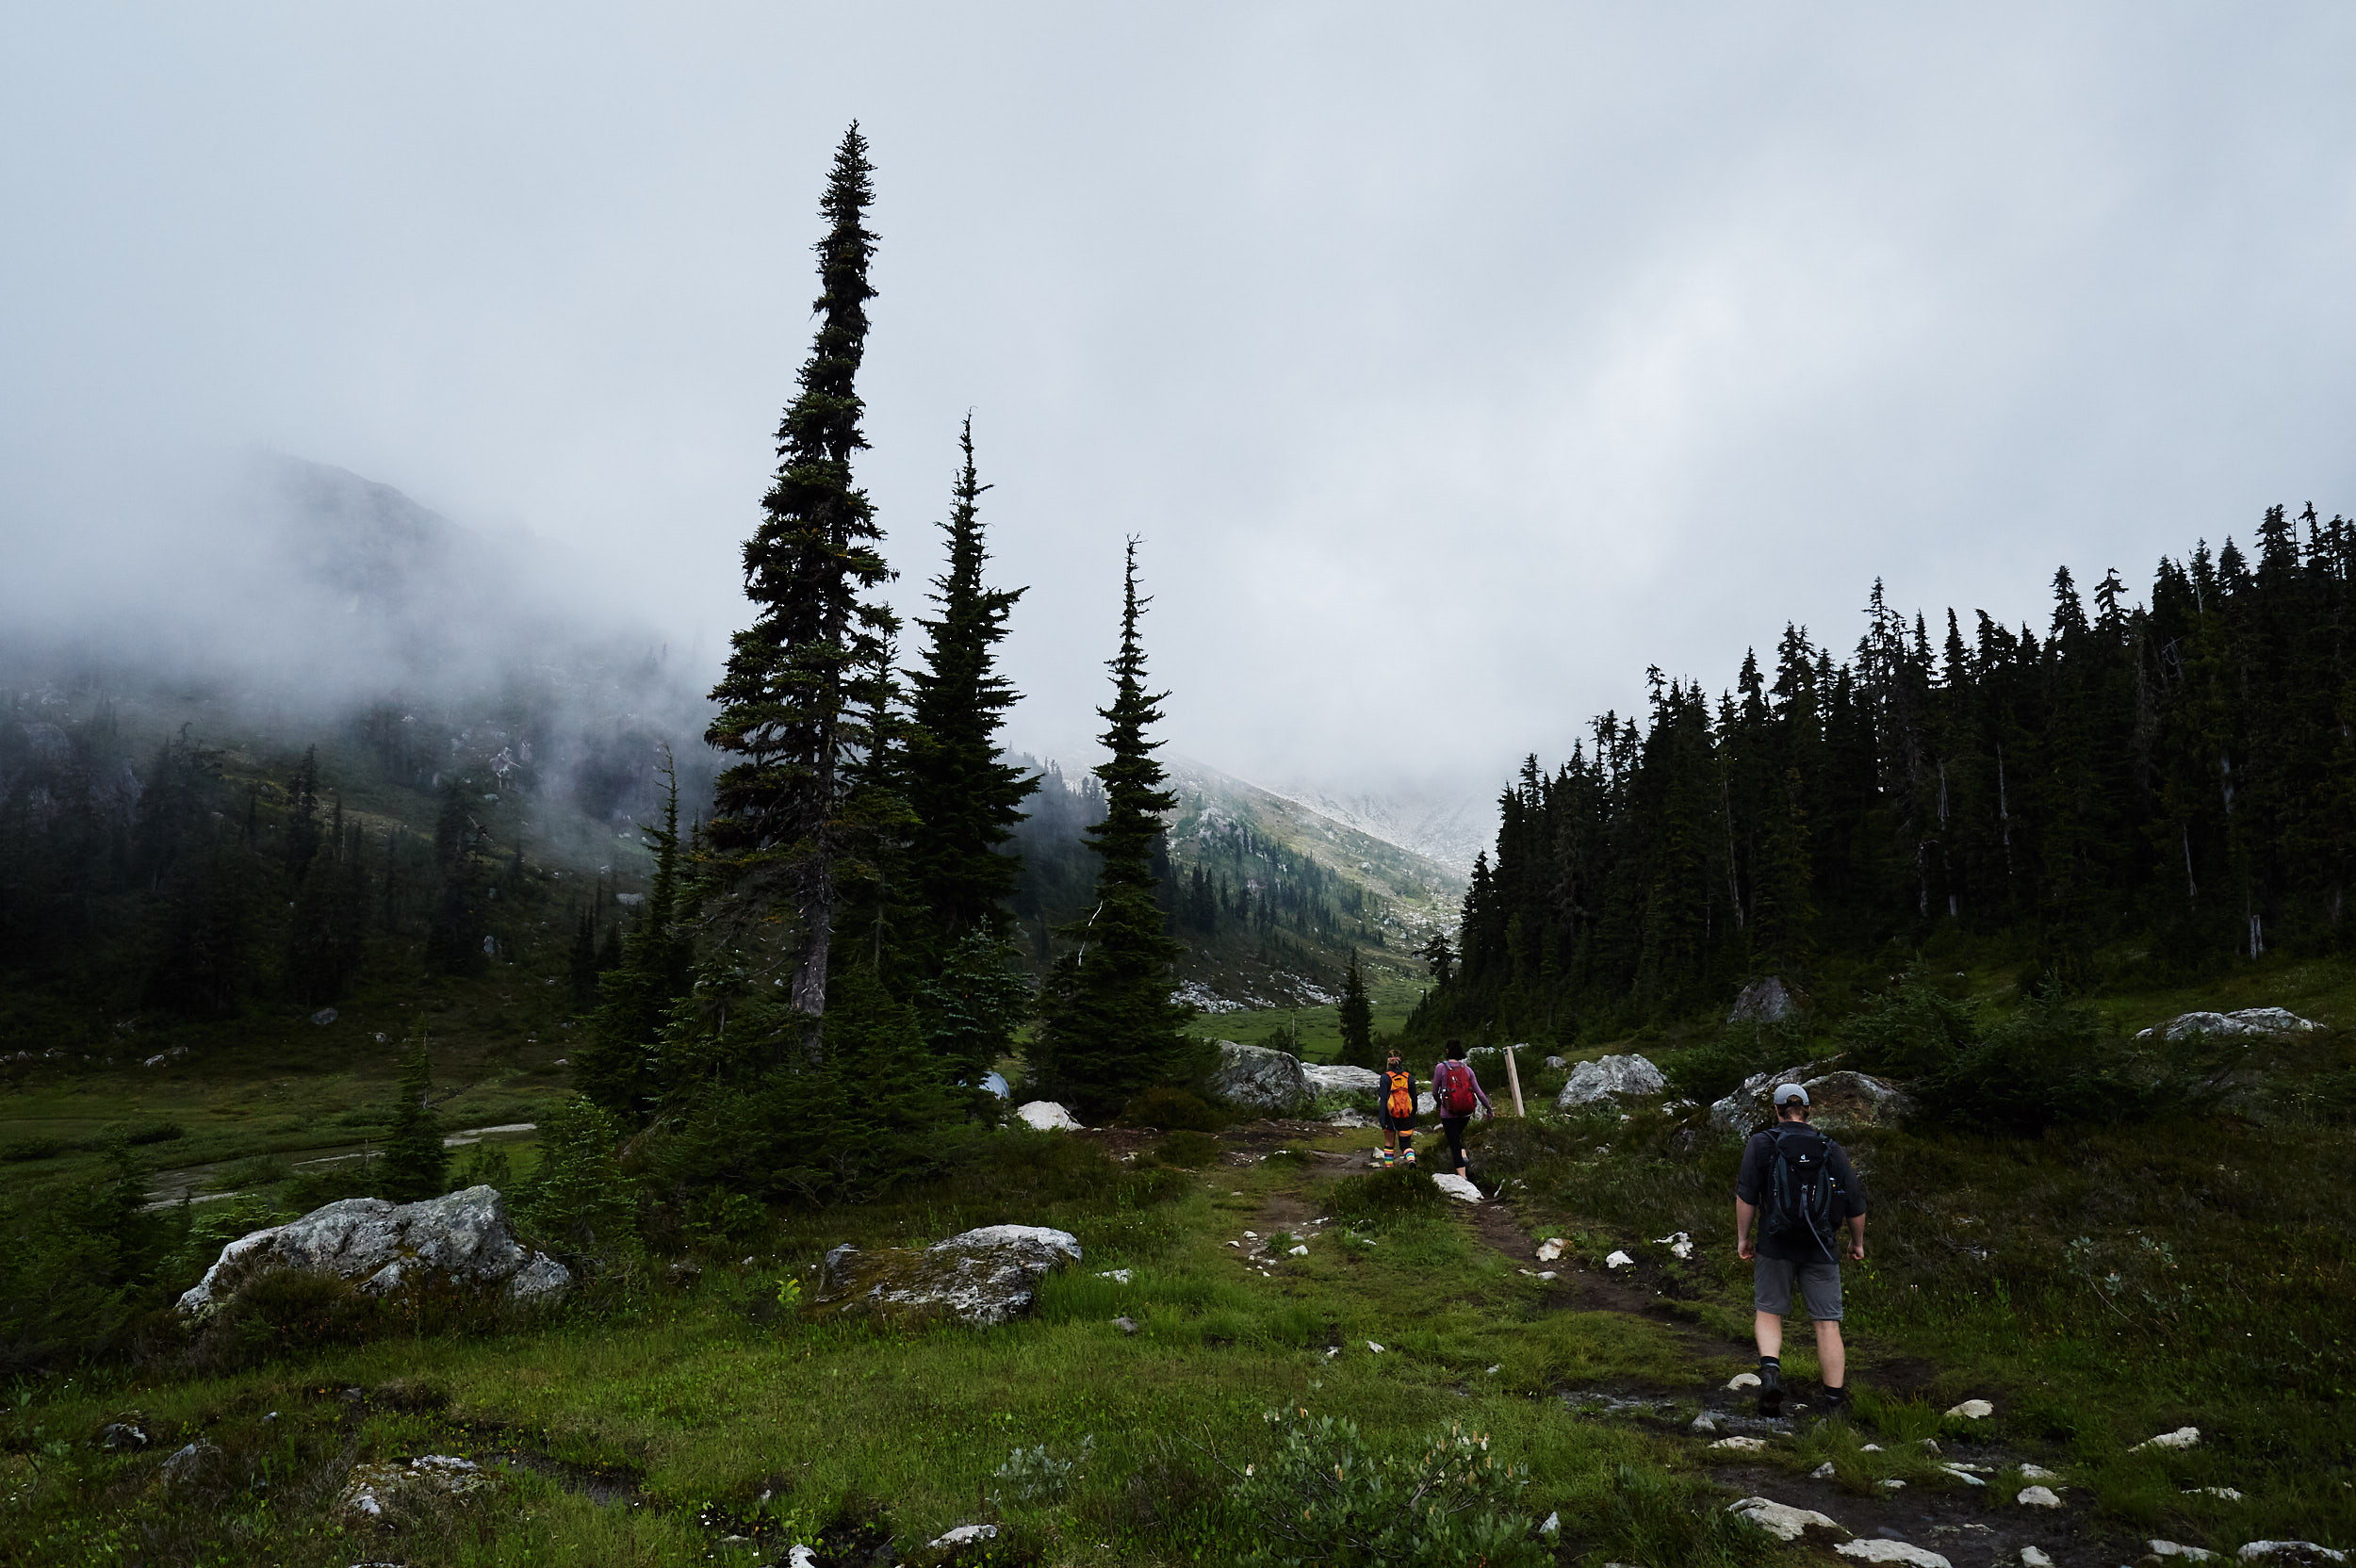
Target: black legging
(1454,1127)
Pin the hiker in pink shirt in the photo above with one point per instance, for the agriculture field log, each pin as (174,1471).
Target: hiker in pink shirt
(1456,1091)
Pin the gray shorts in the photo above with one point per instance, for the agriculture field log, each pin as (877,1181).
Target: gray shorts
(1820,1287)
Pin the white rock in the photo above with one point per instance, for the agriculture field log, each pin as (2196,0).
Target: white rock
(1619,1260)
(1893,1484)
(1549,1249)
(1372,1346)
(1553,1526)
(2038,1472)
(1837,1101)
(1611,1078)
(798,1556)
(1047,1117)
(2290,1551)
(1821,1473)
(1870,1449)
(1547,1274)
(1458,1187)
(1780,1520)
(2032,1558)
(2225,1493)
(2267,1022)
(1347,1117)
(1341,1080)
(1971,1409)
(1874,1549)
(1962,1474)
(1742,1446)
(2183,1437)
(1743,1380)
(1703,1424)
(1117,1276)
(2171,1548)
(1296,1251)
(2037,1496)
(1425,1104)
(384,1493)
(1680,1244)
(964,1535)
(461,1240)
(979,1277)
(1765,1001)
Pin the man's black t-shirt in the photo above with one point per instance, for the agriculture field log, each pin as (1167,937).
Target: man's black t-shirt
(1848,1198)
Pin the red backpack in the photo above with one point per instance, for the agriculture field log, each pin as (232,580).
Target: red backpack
(1455,1088)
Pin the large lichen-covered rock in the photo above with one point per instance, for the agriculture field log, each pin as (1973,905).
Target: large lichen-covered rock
(1837,1102)
(382,1495)
(981,1278)
(1611,1078)
(462,1241)
(1765,1001)
(2263,1022)
(1260,1079)
(1047,1117)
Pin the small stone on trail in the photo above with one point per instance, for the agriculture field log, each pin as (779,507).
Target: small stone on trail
(1547,1274)
(1127,1324)
(1962,1474)
(1459,1187)
(1892,1551)
(1742,1446)
(1702,1423)
(1780,1520)
(2037,1496)
(2183,1437)
(2032,1558)
(1870,1449)
(1743,1380)
(1972,1410)
(1619,1260)
(2171,1548)
(1893,1484)
(1930,1445)
(1549,1249)
(1680,1246)
(2038,1472)
(2300,1552)
(1821,1473)
(1296,1251)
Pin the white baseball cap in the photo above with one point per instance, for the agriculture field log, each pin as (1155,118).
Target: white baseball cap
(1790,1094)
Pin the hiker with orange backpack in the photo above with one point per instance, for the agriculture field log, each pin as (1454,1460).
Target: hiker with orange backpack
(1456,1091)
(1398,1114)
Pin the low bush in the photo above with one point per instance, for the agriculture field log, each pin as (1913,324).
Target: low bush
(1171,1110)
(1384,1198)
(1187,1150)
(284,1311)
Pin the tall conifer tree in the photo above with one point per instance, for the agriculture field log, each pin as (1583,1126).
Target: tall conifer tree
(1110,1028)
(777,830)
(1356,1017)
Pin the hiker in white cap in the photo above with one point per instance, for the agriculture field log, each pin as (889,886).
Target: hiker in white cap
(1800,1186)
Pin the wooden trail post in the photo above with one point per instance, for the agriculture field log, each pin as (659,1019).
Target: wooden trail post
(1513,1076)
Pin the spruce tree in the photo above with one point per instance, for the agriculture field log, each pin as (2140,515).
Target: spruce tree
(966,797)
(415,1160)
(776,829)
(616,1064)
(584,959)
(1356,1016)
(302,819)
(1109,1027)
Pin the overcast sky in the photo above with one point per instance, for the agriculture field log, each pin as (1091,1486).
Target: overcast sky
(1454,363)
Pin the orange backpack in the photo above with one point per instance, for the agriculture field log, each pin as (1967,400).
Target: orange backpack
(1403,1100)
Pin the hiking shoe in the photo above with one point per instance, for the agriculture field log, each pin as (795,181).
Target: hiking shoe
(1770,1390)
(1837,1402)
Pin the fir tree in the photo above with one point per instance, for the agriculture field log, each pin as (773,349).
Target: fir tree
(415,1160)
(584,959)
(776,830)
(454,928)
(302,819)
(1110,1028)
(618,1063)
(1356,1016)
(966,797)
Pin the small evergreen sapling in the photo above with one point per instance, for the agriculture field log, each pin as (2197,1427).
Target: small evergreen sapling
(415,1159)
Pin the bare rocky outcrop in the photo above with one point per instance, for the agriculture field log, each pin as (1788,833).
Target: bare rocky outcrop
(1765,1001)
(1838,1101)
(979,1278)
(382,1495)
(1612,1078)
(462,1241)
(1047,1117)
(1324,1080)
(1260,1079)
(2273,1024)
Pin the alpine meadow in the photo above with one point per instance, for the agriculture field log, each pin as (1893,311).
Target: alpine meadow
(482,1084)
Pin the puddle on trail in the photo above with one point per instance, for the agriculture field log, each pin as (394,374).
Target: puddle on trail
(166,1188)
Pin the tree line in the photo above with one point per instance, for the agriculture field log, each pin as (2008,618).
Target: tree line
(2163,788)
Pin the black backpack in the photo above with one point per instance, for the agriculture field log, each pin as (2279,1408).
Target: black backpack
(1799,1182)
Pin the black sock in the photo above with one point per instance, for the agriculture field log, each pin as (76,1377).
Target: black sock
(1776,1361)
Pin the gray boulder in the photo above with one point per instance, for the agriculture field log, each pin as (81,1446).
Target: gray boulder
(1047,1117)
(1838,1101)
(383,1495)
(2272,1023)
(1260,1079)
(1767,1000)
(1340,1080)
(1611,1078)
(980,1278)
(461,1240)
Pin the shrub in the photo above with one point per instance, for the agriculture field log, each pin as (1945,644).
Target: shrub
(1326,1498)
(285,1311)
(1188,1151)
(1383,1198)
(1909,1031)
(2054,1062)
(1717,1067)
(1171,1110)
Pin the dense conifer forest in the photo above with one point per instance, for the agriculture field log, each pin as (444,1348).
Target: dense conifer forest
(2151,791)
